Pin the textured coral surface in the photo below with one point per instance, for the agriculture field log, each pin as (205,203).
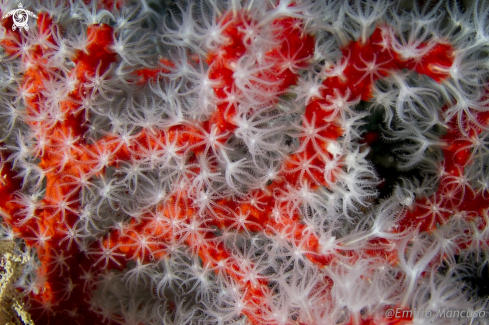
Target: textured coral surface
(209,162)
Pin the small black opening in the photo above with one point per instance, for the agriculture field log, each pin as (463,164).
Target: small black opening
(382,154)
(475,275)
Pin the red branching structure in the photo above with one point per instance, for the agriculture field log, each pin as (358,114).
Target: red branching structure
(189,214)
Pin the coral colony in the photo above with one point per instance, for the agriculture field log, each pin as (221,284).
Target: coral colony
(210,162)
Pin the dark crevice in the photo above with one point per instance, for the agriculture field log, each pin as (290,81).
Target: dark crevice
(474,275)
(382,154)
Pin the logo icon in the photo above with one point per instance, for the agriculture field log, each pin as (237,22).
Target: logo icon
(20,17)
